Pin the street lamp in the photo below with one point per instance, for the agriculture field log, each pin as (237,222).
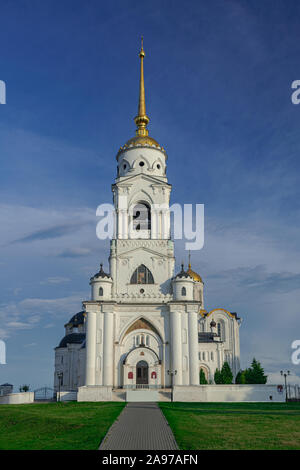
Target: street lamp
(59,376)
(285,374)
(172,373)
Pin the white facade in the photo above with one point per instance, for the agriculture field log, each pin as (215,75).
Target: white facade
(142,322)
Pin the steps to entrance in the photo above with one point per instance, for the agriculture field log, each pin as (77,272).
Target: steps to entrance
(141,395)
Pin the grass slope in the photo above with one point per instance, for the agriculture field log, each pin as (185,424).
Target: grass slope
(234,425)
(56,425)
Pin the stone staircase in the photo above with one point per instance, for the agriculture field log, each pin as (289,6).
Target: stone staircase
(119,394)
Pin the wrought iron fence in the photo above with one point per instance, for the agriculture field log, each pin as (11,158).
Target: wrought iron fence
(293,392)
(44,394)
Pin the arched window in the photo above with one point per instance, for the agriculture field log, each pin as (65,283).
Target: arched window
(147,340)
(100,291)
(142,275)
(221,330)
(141,216)
(183,291)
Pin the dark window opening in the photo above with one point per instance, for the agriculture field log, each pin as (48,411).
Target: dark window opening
(141,217)
(142,275)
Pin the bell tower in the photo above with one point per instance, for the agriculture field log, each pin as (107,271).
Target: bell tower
(141,196)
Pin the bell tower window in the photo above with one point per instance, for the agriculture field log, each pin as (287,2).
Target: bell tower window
(142,275)
(100,291)
(142,217)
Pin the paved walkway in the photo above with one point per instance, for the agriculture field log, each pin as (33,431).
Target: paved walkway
(140,426)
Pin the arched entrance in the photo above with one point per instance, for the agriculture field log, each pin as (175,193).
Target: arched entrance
(142,373)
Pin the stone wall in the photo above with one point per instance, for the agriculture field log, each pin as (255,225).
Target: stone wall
(67,396)
(94,393)
(228,393)
(17,398)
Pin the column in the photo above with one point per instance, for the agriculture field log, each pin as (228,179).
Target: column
(154,225)
(193,348)
(122,223)
(113,266)
(91,348)
(176,348)
(108,349)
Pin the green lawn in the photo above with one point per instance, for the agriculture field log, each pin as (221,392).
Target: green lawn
(56,425)
(234,425)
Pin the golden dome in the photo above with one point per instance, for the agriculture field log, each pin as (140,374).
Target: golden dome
(141,140)
(194,275)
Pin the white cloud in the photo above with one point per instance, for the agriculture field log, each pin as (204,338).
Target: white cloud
(30,312)
(55,280)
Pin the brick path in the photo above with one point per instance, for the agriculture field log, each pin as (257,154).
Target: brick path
(140,426)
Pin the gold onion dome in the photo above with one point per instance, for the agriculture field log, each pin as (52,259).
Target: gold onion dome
(194,275)
(141,120)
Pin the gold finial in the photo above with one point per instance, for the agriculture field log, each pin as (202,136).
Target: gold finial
(142,119)
(190,259)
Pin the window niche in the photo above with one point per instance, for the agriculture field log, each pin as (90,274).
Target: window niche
(142,275)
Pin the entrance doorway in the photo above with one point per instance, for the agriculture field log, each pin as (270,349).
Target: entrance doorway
(142,373)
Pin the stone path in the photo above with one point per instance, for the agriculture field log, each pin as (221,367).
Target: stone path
(140,426)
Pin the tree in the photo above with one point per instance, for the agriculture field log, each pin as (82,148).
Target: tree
(218,377)
(24,388)
(240,377)
(203,380)
(255,374)
(226,374)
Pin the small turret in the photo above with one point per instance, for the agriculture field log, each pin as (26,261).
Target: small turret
(183,286)
(101,284)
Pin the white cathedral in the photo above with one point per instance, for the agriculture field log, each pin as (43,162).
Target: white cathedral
(145,326)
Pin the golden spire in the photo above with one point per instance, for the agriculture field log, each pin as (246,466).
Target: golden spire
(142,119)
(190,259)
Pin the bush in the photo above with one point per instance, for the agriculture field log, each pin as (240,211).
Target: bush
(255,374)
(202,377)
(218,377)
(226,374)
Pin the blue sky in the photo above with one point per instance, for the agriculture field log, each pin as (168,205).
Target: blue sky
(218,85)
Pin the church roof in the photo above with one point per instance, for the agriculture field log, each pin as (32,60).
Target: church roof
(77,319)
(194,275)
(182,273)
(206,337)
(101,273)
(72,338)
